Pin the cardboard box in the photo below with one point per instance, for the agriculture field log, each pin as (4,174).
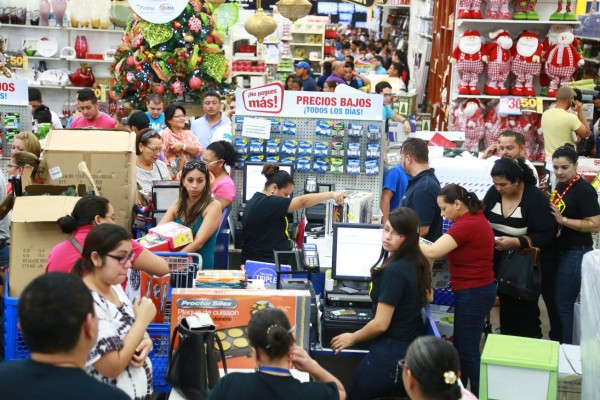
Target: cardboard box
(231,311)
(154,243)
(156,288)
(569,372)
(175,234)
(110,157)
(34,232)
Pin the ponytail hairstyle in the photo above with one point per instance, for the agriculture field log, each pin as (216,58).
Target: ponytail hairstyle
(405,222)
(452,192)
(84,212)
(102,239)
(514,170)
(270,330)
(276,176)
(567,151)
(225,151)
(25,158)
(435,365)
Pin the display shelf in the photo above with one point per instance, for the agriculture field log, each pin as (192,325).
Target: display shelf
(247,58)
(76,60)
(45,58)
(62,28)
(307,44)
(425,17)
(424,35)
(492,97)
(304,58)
(592,60)
(500,22)
(121,31)
(595,39)
(249,73)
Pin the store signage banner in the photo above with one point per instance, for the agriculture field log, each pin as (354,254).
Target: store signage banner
(272,100)
(158,11)
(362,3)
(14,92)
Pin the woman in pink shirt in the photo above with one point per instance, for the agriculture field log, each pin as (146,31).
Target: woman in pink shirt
(179,144)
(217,156)
(87,213)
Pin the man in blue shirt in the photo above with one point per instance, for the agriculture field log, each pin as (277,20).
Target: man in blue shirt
(155,113)
(394,187)
(302,70)
(213,126)
(423,188)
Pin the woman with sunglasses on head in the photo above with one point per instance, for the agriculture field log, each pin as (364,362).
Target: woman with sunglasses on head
(180,145)
(217,155)
(265,224)
(574,205)
(469,247)
(120,356)
(197,210)
(148,166)
(89,212)
(399,288)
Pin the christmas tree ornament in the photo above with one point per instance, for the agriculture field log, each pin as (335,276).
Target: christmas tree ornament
(176,25)
(469,57)
(195,24)
(259,25)
(216,3)
(296,9)
(195,83)
(225,17)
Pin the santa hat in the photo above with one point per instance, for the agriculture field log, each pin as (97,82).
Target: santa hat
(498,34)
(471,32)
(528,34)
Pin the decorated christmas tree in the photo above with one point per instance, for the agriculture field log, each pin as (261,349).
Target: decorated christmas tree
(181,59)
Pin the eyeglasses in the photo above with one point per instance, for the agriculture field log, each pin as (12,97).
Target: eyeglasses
(122,260)
(13,166)
(389,231)
(209,163)
(155,150)
(201,165)
(178,116)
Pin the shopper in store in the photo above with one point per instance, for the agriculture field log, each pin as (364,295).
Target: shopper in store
(337,73)
(395,71)
(4,260)
(469,247)
(89,212)
(574,205)
(395,183)
(431,370)
(213,125)
(511,145)
(35,102)
(302,70)
(120,355)
(326,72)
(26,141)
(353,78)
(155,113)
(265,224)
(387,51)
(217,156)
(423,187)
(197,210)
(179,144)
(400,57)
(148,166)
(558,123)
(60,327)
(91,116)
(399,288)
(513,207)
(296,84)
(378,65)
(275,352)
(17,165)
(385,89)
(288,81)
(329,86)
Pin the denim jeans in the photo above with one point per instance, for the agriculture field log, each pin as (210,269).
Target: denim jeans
(568,284)
(377,374)
(470,311)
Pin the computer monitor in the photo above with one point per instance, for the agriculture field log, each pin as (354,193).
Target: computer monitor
(254,180)
(327,8)
(346,8)
(356,248)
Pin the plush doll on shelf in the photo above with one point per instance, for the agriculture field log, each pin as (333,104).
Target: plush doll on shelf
(469,9)
(469,56)
(492,124)
(471,121)
(562,60)
(568,15)
(551,38)
(530,123)
(525,9)
(526,63)
(498,9)
(498,62)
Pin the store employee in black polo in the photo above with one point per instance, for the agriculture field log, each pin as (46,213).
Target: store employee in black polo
(264,222)
(423,188)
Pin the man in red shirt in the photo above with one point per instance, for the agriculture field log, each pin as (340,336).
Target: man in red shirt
(91,116)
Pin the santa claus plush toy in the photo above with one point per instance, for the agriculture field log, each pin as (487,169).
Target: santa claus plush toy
(551,39)
(530,124)
(498,62)
(469,9)
(526,63)
(472,123)
(492,122)
(469,57)
(498,9)
(562,59)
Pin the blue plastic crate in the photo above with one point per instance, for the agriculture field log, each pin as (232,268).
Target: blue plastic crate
(15,347)
(443,297)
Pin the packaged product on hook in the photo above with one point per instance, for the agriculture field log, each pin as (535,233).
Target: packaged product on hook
(275,125)
(289,127)
(305,148)
(241,146)
(323,128)
(337,149)
(257,158)
(273,147)
(353,167)
(239,123)
(321,165)
(303,164)
(338,129)
(337,165)
(257,146)
(289,148)
(355,130)
(288,160)
(240,162)
(353,150)
(273,159)
(372,167)
(373,151)
(373,132)
(321,149)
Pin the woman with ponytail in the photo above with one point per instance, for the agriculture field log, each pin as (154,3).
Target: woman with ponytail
(120,356)
(275,352)
(469,247)
(399,290)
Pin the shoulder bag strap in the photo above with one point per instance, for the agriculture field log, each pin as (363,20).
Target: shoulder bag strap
(528,240)
(76,244)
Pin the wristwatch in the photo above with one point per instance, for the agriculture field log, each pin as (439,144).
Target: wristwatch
(184,147)
(564,220)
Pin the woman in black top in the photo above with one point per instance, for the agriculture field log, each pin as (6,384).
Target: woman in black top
(514,207)
(574,204)
(399,290)
(272,341)
(264,224)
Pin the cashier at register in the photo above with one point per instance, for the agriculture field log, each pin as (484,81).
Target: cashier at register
(265,226)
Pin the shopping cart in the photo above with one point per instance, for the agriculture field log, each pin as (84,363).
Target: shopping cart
(182,267)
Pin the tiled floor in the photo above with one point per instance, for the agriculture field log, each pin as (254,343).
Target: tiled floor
(495,318)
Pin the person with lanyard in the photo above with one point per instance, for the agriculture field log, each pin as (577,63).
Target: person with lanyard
(399,289)
(213,126)
(469,247)
(265,224)
(275,352)
(574,205)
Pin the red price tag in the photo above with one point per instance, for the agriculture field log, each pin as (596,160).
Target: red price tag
(509,105)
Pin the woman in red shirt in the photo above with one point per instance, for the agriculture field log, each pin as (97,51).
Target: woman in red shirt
(469,246)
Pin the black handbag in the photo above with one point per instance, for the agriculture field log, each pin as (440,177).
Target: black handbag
(519,273)
(193,368)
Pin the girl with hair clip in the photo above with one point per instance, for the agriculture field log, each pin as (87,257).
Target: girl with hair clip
(197,210)
(217,155)
(469,247)
(120,356)
(574,206)
(513,207)
(399,288)
(275,352)
(431,369)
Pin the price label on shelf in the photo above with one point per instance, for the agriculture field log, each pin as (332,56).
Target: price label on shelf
(17,60)
(100,93)
(513,105)
(532,105)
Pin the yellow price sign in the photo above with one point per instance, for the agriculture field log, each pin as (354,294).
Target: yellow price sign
(17,60)
(100,93)
(532,104)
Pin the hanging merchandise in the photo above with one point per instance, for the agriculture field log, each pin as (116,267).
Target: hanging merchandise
(525,10)
(498,9)
(499,52)
(526,63)
(469,9)
(469,57)
(562,60)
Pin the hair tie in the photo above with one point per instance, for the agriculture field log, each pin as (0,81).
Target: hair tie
(450,377)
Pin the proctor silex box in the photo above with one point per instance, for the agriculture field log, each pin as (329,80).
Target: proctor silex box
(231,311)
(34,232)
(175,234)
(110,157)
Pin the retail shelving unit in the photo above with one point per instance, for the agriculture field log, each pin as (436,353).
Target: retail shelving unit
(247,76)
(419,52)
(308,41)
